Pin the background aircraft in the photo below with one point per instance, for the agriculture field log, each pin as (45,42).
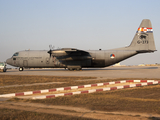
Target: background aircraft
(75,59)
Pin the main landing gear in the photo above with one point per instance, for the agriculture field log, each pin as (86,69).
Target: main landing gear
(77,68)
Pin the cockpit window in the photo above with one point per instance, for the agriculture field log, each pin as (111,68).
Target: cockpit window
(16,54)
(1,64)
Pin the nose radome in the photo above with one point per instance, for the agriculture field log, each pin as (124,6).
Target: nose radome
(8,61)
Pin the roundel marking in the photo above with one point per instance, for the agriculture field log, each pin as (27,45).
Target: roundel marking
(112,56)
(145,29)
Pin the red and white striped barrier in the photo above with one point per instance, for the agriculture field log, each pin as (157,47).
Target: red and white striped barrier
(144,82)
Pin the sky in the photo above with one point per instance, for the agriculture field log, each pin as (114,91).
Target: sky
(81,24)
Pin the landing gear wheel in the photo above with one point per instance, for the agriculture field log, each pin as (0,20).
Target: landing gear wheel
(21,69)
(71,69)
(78,69)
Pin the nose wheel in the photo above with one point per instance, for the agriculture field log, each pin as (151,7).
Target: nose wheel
(21,69)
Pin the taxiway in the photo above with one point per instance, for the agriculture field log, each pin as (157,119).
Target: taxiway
(108,72)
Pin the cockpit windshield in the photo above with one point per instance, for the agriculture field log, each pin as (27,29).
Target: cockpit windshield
(16,54)
(1,64)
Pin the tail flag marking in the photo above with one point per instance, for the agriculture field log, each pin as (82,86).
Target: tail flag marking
(145,30)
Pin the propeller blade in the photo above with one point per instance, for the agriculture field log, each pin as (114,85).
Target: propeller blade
(50,52)
(51,49)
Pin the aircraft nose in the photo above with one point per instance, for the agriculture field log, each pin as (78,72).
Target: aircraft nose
(8,61)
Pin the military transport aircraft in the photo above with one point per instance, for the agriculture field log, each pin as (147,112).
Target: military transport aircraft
(75,59)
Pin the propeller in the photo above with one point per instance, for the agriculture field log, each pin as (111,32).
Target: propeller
(51,49)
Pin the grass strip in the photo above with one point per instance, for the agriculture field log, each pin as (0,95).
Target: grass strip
(29,79)
(11,114)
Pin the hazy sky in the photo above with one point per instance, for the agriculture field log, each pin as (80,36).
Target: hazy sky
(82,24)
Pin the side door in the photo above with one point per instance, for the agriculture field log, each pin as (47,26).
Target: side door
(47,60)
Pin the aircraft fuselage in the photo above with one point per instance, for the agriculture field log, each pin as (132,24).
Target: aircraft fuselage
(41,59)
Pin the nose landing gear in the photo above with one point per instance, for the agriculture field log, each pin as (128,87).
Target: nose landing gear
(21,69)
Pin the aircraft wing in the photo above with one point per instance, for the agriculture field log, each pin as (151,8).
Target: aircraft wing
(73,51)
(68,52)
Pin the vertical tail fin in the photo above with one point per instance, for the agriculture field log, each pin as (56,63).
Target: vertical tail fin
(143,40)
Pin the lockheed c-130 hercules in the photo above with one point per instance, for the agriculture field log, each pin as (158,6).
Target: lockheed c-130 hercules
(75,59)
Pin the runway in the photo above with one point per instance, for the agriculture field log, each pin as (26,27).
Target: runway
(108,72)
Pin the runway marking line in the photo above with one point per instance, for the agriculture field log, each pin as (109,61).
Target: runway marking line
(140,83)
